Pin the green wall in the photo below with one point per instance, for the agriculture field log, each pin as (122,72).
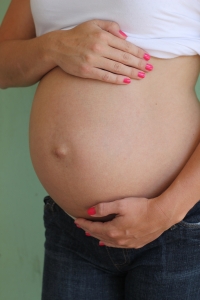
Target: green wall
(21,205)
(21,228)
(198,88)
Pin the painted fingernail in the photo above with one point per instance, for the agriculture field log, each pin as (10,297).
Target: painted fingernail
(122,33)
(147,56)
(141,74)
(101,244)
(77,225)
(87,233)
(91,211)
(149,67)
(127,80)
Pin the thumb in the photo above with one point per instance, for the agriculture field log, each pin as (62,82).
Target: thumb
(111,27)
(105,209)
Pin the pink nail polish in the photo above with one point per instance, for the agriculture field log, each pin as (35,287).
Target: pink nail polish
(87,233)
(91,211)
(141,74)
(149,67)
(127,80)
(101,244)
(122,33)
(147,56)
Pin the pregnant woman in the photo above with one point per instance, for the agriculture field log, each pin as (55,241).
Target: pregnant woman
(114,139)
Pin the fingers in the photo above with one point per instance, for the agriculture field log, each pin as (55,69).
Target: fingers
(96,229)
(103,209)
(120,56)
(111,237)
(113,41)
(140,67)
(118,66)
(128,243)
(128,47)
(129,59)
(109,77)
(118,60)
(111,27)
(100,231)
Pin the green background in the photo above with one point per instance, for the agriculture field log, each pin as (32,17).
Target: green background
(21,207)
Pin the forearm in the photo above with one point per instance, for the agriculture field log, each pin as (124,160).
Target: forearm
(24,62)
(184,192)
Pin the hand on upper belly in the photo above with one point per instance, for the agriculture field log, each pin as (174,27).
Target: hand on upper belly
(138,221)
(96,49)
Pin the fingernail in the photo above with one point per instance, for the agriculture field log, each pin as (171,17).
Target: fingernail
(149,67)
(91,211)
(147,56)
(101,244)
(141,74)
(77,225)
(122,33)
(127,80)
(87,233)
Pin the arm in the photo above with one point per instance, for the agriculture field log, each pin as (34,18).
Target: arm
(23,58)
(95,49)
(139,221)
(184,192)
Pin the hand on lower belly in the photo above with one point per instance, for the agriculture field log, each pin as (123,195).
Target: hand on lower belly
(138,221)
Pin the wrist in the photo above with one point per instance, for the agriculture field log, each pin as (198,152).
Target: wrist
(160,215)
(48,45)
(172,205)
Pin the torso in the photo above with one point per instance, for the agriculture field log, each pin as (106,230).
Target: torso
(92,141)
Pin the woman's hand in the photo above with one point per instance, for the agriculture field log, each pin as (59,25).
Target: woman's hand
(97,49)
(138,221)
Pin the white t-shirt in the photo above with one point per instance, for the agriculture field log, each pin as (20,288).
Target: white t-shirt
(163,28)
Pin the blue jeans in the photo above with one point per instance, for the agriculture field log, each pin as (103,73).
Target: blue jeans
(76,267)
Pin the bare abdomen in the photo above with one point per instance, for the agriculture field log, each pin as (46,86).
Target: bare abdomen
(92,141)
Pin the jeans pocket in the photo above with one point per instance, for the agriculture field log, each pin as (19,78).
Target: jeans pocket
(192,219)
(49,203)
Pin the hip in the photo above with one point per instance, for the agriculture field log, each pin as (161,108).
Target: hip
(72,258)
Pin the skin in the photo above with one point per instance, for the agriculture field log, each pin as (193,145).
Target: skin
(32,58)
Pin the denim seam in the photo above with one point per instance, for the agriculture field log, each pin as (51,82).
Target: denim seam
(117,265)
(127,256)
(51,253)
(188,225)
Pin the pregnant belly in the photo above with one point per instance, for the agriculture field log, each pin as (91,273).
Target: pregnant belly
(92,142)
